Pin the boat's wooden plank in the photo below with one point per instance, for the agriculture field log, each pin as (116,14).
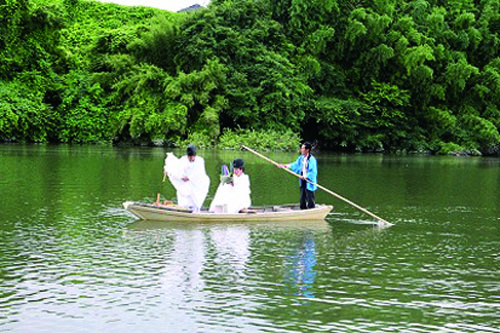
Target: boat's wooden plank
(285,212)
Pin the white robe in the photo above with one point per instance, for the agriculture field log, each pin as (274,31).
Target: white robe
(232,198)
(191,193)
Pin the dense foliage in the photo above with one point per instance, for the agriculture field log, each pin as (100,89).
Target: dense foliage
(380,75)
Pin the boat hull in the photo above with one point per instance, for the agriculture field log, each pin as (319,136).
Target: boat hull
(272,213)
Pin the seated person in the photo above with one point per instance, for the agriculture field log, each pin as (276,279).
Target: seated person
(233,193)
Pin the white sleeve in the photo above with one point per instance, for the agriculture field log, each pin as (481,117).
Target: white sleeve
(242,191)
(172,166)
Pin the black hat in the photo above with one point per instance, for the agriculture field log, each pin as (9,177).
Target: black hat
(191,150)
(307,145)
(238,163)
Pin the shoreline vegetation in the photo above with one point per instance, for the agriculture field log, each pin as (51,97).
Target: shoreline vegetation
(357,76)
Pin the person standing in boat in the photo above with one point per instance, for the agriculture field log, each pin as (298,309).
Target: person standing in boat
(187,174)
(233,196)
(306,166)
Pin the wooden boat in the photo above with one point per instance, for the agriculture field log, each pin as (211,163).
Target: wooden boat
(156,212)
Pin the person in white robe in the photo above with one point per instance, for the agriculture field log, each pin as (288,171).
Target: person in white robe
(187,174)
(233,197)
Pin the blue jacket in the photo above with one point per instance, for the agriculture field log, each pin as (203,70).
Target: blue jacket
(312,170)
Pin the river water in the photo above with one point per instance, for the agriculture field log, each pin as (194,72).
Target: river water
(72,260)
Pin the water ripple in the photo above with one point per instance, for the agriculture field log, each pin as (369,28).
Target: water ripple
(99,271)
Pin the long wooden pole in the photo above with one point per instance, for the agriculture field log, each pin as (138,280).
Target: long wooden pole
(321,187)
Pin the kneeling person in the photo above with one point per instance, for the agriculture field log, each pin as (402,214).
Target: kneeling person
(233,197)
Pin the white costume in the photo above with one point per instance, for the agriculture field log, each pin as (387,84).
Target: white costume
(232,198)
(191,193)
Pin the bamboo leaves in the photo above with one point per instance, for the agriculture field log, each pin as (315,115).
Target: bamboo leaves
(357,75)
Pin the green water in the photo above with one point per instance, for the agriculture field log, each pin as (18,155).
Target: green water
(72,260)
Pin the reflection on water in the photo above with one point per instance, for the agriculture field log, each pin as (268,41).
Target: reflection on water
(299,269)
(72,260)
(221,267)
